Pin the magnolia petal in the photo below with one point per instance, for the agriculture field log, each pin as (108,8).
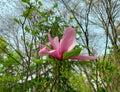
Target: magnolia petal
(52,53)
(56,41)
(72,46)
(55,54)
(52,41)
(67,42)
(43,51)
(42,46)
(83,57)
(55,44)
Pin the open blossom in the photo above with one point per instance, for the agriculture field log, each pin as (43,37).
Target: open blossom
(66,44)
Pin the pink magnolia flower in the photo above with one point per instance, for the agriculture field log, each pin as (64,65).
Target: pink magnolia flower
(66,44)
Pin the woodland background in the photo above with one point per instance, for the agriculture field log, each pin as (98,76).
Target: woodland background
(24,24)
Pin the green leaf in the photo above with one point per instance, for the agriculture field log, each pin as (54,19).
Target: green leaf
(16,20)
(101,89)
(79,33)
(26,1)
(72,53)
(35,32)
(55,5)
(25,13)
(27,29)
(40,4)
(38,61)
